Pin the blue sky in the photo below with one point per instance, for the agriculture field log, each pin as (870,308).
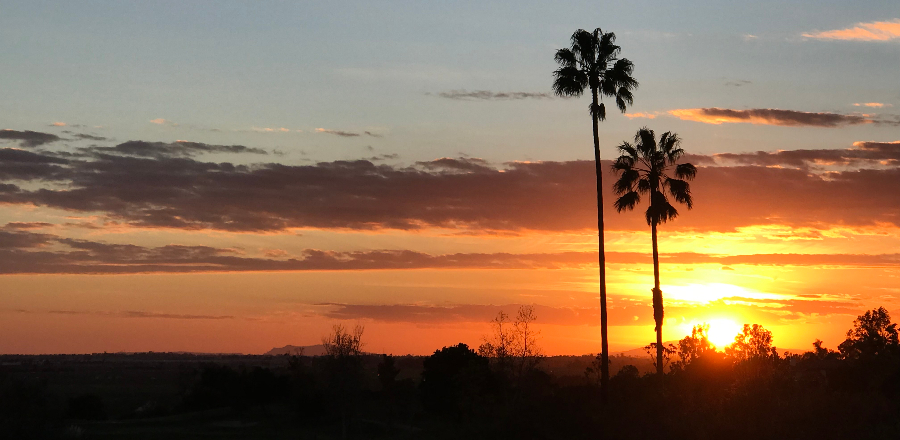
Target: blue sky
(379,66)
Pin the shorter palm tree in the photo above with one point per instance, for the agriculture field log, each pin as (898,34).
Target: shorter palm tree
(643,167)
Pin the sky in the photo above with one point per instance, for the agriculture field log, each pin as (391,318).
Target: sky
(237,176)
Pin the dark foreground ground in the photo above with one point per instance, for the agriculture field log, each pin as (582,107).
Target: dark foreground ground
(453,394)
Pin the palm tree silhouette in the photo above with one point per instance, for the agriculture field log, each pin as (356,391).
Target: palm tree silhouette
(643,168)
(592,61)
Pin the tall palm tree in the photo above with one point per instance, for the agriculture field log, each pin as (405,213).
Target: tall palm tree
(643,168)
(592,62)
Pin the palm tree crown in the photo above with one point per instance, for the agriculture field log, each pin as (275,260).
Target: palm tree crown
(592,62)
(644,166)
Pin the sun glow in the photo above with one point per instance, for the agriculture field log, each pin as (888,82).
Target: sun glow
(722,332)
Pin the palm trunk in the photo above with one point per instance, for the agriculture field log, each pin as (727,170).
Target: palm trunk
(657,301)
(604,336)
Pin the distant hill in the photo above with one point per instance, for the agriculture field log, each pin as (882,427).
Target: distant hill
(307,350)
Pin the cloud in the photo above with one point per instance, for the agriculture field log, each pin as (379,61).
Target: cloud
(161,121)
(425,314)
(27,225)
(25,252)
(148,185)
(132,314)
(89,137)
(620,313)
(26,166)
(337,132)
(487,95)
(462,165)
(739,82)
(641,115)
(768,116)
(22,240)
(271,130)
(369,133)
(872,31)
(381,157)
(28,138)
(58,124)
(872,104)
(173,149)
(862,154)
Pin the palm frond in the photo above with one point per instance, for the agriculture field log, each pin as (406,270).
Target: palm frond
(680,191)
(569,81)
(645,139)
(621,72)
(626,181)
(566,58)
(670,144)
(660,210)
(627,149)
(584,44)
(627,201)
(623,98)
(607,48)
(643,186)
(607,87)
(685,171)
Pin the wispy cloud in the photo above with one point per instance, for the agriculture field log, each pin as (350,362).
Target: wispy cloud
(343,133)
(133,314)
(487,95)
(28,138)
(769,116)
(862,154)
(872,31)
(161,121)
(639,115)
(738,83)
(272,130)
(172,149)
(872,104)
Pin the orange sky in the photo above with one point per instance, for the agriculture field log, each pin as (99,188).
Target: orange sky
(236,179)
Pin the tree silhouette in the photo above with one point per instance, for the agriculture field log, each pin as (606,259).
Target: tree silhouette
(592,61)
(691,348)
(643,167)
(872,335)
(753,342)
(343,351)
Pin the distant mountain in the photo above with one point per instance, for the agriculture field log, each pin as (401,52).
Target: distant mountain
(307,350)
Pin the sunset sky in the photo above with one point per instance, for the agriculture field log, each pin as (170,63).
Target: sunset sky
(236,176)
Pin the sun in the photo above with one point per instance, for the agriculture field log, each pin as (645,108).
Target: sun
(722,332)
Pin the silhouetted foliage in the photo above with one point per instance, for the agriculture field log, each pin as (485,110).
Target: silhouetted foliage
(513,348)
(344,369)
(754,342)
(693,347)
(872,335)
(452,378)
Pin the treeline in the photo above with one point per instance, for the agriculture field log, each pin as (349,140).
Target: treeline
(501,390)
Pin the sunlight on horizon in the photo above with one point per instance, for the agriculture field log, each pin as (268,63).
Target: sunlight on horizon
(707,293)
(722,331)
